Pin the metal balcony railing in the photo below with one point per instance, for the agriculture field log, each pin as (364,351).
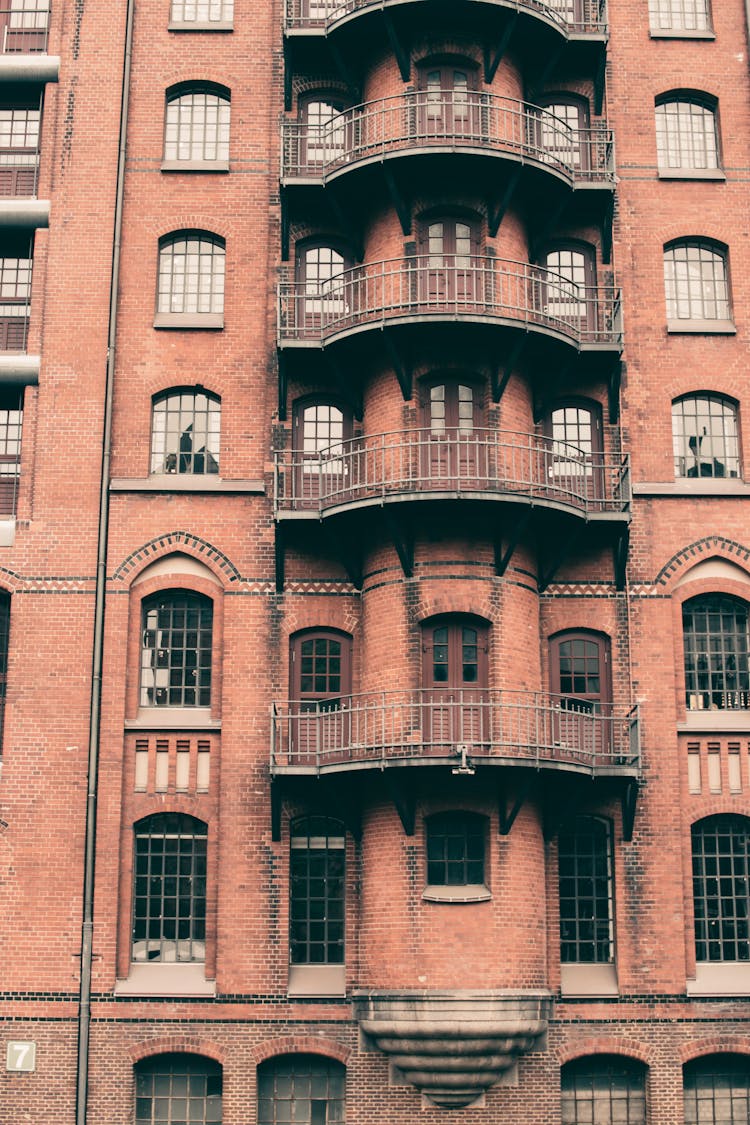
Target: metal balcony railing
(14,325)
(10,471)
(19,173)
(447,118)
(528,728)
(571,16)
(23,28)
(450,286)
(464,462)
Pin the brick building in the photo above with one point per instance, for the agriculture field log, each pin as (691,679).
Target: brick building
(374,566)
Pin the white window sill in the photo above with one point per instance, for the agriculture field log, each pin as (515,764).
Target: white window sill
(678,33)
(7,531)
(189,320)
(588,980)
(470,892)
(714,978)
(185,482)
(694,486)
(711,174)
(157,979)
(701,327)
(317,980)
(198,25)
(173,718)
(195,165)
(716,720)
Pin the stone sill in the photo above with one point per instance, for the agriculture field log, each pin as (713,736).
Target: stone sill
(173,718)
(588,980)
(692,488)
(710,174)
(701,327)
(158,979)
(189,320)
(195,165)
(730,978)
(317,980)
(677,33)
(185,482)
(198,25)
(467,893)
(715,721)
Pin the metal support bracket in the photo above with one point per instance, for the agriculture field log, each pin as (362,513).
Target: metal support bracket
(607,225)
(544,76)
(276,807)
(285,226)
(552,221)
(351,559)
(565,546)
(403,370)
(492,60)
(279,557)
(599,80)
(288,72)
(496,215)
(542,403)
(629,799)
(399,202)
(346,224)
(350,393)
(403,798)
(344,70)
(500,382)
(503,557)
(620,558)
(402,541)
(283,385)
(400,49)
(507,816)
(613,391)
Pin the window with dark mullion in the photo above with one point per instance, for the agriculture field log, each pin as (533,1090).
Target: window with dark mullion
(717,653)
(169,889)
(717,1090)
(317,876)
(605,1089)
(455,850)
(721,888)
(586,899)
(176,651)
(301,1090)
(174,1089)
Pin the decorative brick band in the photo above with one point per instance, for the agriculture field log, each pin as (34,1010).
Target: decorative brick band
(710,544)
(166,544)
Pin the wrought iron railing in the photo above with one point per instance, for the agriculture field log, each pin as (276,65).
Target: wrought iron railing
(14,325)
(24,28)
(528,728)
(404,462)
(464,119)
(19,173)
(449,285)
(571,16)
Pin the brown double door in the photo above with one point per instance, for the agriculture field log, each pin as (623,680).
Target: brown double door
(449,103)
(453,449)
(455,696)
(451,269)
(320,690)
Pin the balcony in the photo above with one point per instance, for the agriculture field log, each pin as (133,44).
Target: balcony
(421,289)
(479,464)
(430,123)
(23,44)
(570,18)
(19,175)
(432,727)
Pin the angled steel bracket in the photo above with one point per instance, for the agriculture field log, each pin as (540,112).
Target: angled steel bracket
(492,60)
(400,49)
(503,557)
(402,541)
(288,72)
(565,544)
(397,199)
(607,225)
(279,557)
(629,799)
(500,382)
(403,798)
(283,385)
(349,556)
(344,70)
(620,557)
(496,215)
(613,390)
(542,403)
(599,79)
(348,226)
(350,393)
(403,370)
(285,225)
(506,815)
(276,806)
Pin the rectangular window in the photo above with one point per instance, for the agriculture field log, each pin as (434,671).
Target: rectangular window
(317,882)
(586,899)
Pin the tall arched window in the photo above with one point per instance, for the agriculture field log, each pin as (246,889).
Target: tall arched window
(450,270)
(321,429)
(321,285)
(606,1089)
(176,650)
(454,446)
(172,1089)
(185,431)
(696,282)
(717,1090)
(301,1090)
(448,103)
(455,671)
(196,127)
(169,889)
(721,888)
(586,892)
(717,647)
(191,278)
(568,287)
(576,464)
(320,677)
(686,132)
(564,126)
(317,890)
(705,436)
(323,134)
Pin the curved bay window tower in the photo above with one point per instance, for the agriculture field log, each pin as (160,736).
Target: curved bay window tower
(449,340)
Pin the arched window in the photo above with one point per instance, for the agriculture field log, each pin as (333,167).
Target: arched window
(453,442)
(185,430)
(321,429)
(576,465)
(323,134)
(671,17)
(196,127)
(721,888)
(321,284)
(705,436)
(456,847)
(569,284)
(176,650)
(320,677)
(301,1090)
(580,669)
(169,889)
(696,282)
(717,1090)
(317,889)
(564,125)
(191,277)
(686,132)
(448,101)
(586,892)
(455,671)
(174,1089)
(717,669)
(607,1089)
(450,269)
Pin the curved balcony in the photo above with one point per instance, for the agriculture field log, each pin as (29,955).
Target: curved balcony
(432,122)
(449,288)
(570,18)
(416,464)
(432,727)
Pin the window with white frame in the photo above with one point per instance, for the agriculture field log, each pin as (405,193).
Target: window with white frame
(686,133)
(191,275)
(202,12)
(185,432)
(705,437)
(680,17)
(696,282)
(196,128)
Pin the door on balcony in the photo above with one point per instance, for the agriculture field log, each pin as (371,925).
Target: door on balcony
(575,462)
(455,697)
(568,289)
(449,102)
(15,292)
(450,270)
(23,24)
(322,452)
(321,287)
(581,682)
(453,444)
(19,150)
(11,421)
(320,691)
(563,131)
(323,136)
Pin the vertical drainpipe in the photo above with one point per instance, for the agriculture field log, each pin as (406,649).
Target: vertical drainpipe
(87,926)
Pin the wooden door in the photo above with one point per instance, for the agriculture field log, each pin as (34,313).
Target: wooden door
(450,273)
(322,452)
(575,461)
(581,679)
(451,444)
(320,690)
(569,290)
(454,676)
(321,287)
(449,104)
